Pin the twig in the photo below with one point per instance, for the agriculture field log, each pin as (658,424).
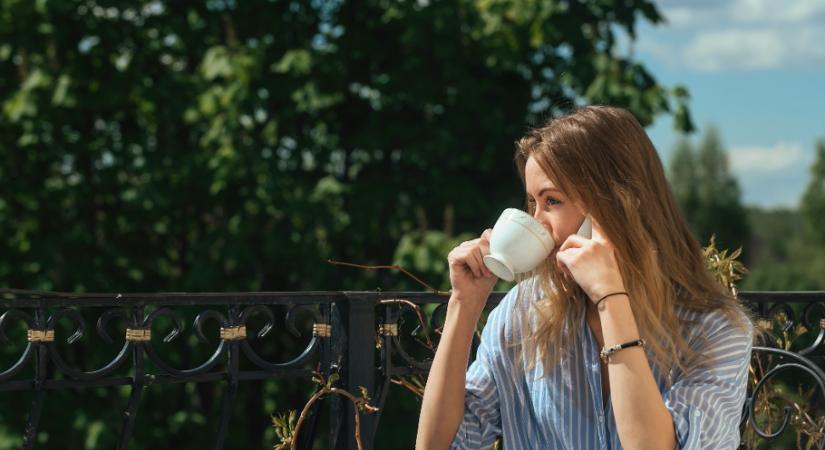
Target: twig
(413,388)
(358,405)
(392,267)
(417,310)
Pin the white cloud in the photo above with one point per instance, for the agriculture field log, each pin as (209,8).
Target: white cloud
(772,176)
(748,49)
(771,11)
(764,12)
(734,49)
(685,17)
(740,35)
(778,158)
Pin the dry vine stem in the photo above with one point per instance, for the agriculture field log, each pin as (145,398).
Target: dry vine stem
(358,403)
(417,310)
(392,267)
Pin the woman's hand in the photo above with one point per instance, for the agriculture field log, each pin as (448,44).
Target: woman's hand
(472,282)
(592,263)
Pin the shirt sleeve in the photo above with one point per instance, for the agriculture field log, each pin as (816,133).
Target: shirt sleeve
(706,404)
(482,418)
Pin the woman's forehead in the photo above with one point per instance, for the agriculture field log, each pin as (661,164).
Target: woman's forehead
(536,179)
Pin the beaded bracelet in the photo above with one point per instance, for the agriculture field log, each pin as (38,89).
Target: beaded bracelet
(607,351)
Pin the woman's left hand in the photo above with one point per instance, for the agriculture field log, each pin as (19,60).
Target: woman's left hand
(591,263)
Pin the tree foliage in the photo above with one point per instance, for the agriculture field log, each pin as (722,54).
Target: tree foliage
(813,200)
(707,192)
(236,145)
(789,244)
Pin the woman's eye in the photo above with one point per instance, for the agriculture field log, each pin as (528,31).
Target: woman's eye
(550,201)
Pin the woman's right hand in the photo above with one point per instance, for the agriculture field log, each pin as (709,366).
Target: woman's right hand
(471,280)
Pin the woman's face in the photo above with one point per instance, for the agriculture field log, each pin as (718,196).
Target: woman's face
(553,208)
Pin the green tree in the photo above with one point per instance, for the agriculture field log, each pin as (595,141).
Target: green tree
(707,192)
(236,145)
(683,177)
(781,252)
(790,244)
(813,200)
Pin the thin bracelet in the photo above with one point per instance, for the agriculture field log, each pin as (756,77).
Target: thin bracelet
(609,295)
(607,351)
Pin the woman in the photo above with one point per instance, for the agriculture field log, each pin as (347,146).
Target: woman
(538,380)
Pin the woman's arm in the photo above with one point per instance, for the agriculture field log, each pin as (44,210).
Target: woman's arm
(642,420)
(443,406)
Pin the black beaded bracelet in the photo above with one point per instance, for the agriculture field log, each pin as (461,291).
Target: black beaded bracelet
(609,295)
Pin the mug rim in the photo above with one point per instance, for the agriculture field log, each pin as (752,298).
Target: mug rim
(534,227)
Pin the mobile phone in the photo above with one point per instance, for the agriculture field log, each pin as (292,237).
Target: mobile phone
(586,229)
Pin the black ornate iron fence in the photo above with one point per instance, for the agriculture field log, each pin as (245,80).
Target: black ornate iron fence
(371,339)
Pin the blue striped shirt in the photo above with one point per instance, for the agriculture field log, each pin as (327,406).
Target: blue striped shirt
(564,410)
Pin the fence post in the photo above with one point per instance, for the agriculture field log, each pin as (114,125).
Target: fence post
(359,320)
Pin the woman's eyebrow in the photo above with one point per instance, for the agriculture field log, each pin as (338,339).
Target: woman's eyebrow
(548,189)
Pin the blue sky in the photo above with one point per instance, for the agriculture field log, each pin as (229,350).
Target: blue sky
(756,70)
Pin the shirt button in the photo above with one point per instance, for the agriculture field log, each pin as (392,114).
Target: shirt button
(601,418)
(697,413)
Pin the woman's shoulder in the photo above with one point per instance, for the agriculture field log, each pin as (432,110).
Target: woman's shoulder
(713,328)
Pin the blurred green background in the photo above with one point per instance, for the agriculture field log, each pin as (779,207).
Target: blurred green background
(238,145)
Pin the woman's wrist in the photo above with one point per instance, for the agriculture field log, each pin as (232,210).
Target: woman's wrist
(469,307)
(601,291)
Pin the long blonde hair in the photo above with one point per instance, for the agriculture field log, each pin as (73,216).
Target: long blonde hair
(601,157)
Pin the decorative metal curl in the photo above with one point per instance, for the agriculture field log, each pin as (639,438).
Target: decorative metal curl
(104,320)
(77,318)
(198,323)
(290,318)
(811,324)
(395,339)
(202,317)
(251,311)
(800,363)
(27,352)
(165,312)
(789,314)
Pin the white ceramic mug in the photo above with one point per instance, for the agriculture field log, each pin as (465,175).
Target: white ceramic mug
(519,243)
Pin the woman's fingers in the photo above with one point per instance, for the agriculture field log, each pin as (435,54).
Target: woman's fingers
(468,258)
(479,254)
(484,247)
(484,242)
(564,258)
(573,241)
(471,255)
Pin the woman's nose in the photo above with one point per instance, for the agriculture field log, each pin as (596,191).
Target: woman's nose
(539,219)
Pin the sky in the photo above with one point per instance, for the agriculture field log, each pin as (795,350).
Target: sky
(755,69)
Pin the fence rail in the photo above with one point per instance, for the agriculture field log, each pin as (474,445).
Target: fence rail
(363,336)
